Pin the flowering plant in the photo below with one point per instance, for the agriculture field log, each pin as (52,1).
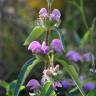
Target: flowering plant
(62,74)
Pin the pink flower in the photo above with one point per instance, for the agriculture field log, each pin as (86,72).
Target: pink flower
(56,46)
(35,47)
(33,84)
(43,12)
(55,15)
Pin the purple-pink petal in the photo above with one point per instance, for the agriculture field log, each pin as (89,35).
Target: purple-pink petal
(33,84)
(55,15)
(43,12)
(35,47)
(56,46)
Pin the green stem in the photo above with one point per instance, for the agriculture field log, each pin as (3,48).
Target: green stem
(93,63)
(47,37)
(48,29)
(92,46)
(83,15)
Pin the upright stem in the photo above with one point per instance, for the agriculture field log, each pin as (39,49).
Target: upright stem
(92,45)
(47,37)
(49,9)
(93,63)
(48,29)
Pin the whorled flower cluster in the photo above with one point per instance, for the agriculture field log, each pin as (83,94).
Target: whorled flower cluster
(38,48)
(49,72)
(33,84)
(55,15)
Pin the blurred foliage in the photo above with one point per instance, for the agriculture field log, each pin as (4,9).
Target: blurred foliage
(40,3)
(17,19)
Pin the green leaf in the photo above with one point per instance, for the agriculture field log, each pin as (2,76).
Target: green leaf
(73,90)
(91,93)
(47,90)
(72,72)
(85,39)
(36,32)
(11,88)
(53,93)
(27,67)
(4,84)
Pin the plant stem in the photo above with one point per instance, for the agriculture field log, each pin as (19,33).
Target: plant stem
(93,63)
(83,15)
(48,29)
(47,37)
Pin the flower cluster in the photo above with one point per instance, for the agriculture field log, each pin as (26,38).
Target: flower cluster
(75,56)
(49,72)
(33,84)
(38,48)
(55,15)
(50,19)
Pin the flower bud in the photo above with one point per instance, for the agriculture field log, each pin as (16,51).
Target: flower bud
(73,56)
(43,12)
(35,47)
(55,15)
(89,86)
(33,84)
(56,46)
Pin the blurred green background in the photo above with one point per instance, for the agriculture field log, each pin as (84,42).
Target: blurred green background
(17,19)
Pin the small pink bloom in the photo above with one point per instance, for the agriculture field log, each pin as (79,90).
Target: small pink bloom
(35,47)
(43,12)
(56,46)
(55,15)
